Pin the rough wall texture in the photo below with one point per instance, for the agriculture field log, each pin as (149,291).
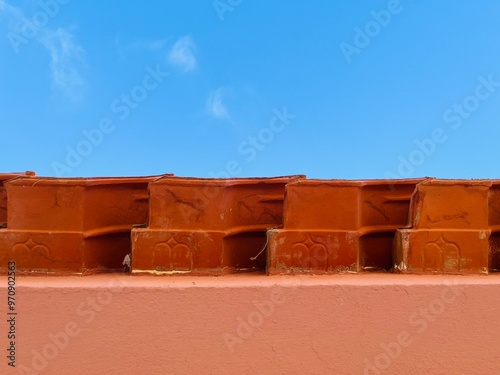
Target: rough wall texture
(246,324)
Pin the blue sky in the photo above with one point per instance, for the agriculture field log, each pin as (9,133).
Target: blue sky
(330,89)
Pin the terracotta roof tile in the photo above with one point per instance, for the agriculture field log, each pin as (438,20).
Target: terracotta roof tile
(448,230)
(208,226)
(339,225)
(71,225)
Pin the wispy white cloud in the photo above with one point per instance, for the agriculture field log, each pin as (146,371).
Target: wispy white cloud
(13,14)
(215,105)
(182,54)
(4,7)
(65,59)
(66,56)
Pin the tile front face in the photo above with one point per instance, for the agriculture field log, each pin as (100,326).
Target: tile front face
(208,226)
(42,251)
(443,251)
(294,251)
(352,223)
(168,251)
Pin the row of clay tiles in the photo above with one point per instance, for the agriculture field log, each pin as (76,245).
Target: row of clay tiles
(175,225)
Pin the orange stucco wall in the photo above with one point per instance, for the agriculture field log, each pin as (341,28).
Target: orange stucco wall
(250,324)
